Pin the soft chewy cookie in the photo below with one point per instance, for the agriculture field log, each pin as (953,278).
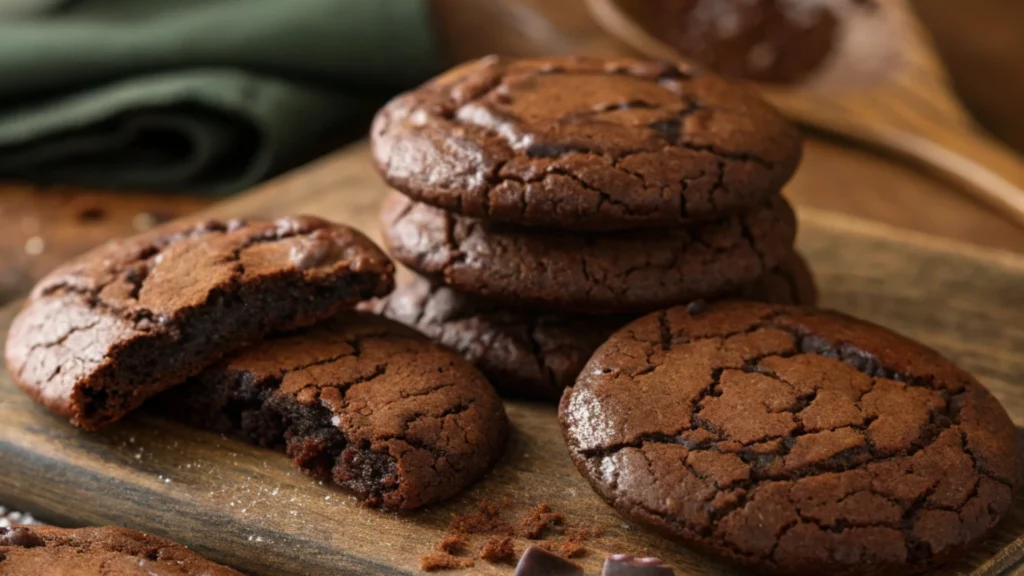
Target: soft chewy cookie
(584,144)
(135,316)
(360,400)
(791,440)
(535,354)
(622,272)
(37,550)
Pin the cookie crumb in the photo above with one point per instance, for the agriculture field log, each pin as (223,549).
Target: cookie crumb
(571,549)
(487,520)
(438,562)
(455,544)
(541,520)
(573,545)
(499,549)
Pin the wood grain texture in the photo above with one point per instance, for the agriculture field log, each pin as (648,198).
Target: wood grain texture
(247,507)
(44,226)
(980,43)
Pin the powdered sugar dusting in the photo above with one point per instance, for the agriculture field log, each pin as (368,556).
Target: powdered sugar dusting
(10,518)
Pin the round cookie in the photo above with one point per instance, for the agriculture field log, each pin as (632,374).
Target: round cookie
(522,353)
(606,273)
(582,143)
(792,440)
(135,316)
(36,550)
(817,44)
(537,355)
(359,400)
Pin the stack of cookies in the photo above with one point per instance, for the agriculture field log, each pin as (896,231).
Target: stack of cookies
(544,203)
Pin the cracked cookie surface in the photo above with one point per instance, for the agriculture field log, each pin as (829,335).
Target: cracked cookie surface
(537,355)
(793,441)
(607,273)
(35,550)
(359,400)
(587,144)
(122,322)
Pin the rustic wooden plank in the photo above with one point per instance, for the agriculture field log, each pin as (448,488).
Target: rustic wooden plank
(246,506)
(44,226)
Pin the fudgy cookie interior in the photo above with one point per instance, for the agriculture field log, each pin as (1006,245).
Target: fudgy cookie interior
(361,401)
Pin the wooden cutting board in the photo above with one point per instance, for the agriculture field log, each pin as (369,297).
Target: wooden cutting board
(247,507)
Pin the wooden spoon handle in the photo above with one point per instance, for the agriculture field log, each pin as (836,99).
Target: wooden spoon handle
(982,167)
(913,116)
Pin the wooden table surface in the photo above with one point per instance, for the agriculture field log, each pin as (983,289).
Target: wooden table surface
(245,506)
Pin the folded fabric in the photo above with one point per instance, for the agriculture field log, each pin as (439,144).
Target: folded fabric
(197,95)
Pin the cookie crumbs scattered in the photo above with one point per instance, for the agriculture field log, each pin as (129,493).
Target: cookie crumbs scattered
(499,549)
(455,544)
(438,562)
(487,520)
(541,520)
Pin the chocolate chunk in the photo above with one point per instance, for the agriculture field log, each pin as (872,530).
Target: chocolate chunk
(537,561)
(697,307)
(626,565)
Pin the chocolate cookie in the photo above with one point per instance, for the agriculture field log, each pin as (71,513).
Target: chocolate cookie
(36,550)
(360,400)
(133,317)
(533,354)
(522,353)
(580,143)
(791,440)
(606,273)
(817,44)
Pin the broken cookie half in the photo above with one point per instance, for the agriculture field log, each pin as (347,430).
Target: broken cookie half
(133,317)
(359,400)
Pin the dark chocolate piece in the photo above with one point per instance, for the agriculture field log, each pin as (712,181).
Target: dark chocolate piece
(626,565)
(537,561)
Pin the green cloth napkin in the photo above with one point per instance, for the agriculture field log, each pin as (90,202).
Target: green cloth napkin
(198,95)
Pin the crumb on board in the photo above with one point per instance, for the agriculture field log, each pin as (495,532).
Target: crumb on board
(454,544)
(486,520)
(442,561)
(541,520)
(499,549)
(540,524)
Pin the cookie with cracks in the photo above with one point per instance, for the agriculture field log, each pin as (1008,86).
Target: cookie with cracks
(360,401)
(792,440)
(135,316)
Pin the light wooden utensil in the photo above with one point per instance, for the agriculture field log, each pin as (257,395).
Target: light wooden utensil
(914,115)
